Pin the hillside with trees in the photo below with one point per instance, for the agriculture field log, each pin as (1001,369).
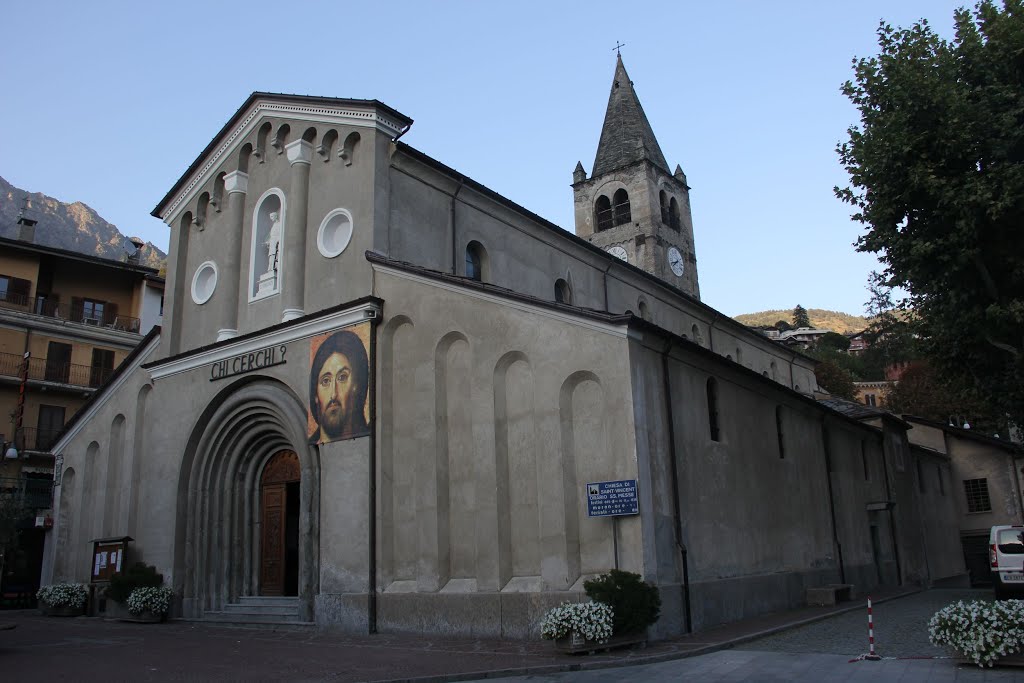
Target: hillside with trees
(843,323)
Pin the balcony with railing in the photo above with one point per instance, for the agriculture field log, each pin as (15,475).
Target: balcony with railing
(30,439)
(34,493)
(45,370)
(48,308)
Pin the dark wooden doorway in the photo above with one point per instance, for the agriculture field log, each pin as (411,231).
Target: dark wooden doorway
(279,525)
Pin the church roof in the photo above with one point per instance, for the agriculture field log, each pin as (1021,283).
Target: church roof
(626,137)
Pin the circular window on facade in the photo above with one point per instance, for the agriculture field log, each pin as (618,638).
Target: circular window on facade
(204,282)
(335,233)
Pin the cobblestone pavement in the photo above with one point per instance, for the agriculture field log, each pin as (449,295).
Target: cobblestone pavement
(748,666)
(901,628)
(826,650)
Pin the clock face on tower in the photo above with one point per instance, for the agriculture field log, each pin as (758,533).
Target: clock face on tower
(618,252)
(675,261)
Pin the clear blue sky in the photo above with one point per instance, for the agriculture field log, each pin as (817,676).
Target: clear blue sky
(108,104)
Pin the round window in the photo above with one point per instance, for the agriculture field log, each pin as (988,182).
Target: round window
(204,282)
(335,233)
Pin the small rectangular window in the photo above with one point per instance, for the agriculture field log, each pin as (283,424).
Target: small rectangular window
(942,483)
(920,478)
(864,461)
(976,491)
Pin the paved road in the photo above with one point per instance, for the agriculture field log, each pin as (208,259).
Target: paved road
(824,651)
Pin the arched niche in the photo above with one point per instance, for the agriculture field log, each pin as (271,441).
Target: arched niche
(266,259)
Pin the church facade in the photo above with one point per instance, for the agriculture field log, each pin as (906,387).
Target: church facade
(383,393)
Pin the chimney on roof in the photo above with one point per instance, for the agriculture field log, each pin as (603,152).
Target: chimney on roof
(26,225)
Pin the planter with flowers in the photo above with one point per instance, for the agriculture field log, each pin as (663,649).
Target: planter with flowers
(623,607)
(149,604)
(578,626)
(981,632)
(63,599)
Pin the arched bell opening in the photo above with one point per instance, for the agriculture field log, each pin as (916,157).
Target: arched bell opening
(251,435)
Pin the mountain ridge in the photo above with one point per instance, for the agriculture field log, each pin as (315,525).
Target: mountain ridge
(74,226)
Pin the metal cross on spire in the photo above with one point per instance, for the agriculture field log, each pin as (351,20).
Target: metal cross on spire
(619,46)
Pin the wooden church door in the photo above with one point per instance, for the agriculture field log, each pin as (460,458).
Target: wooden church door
(279,498)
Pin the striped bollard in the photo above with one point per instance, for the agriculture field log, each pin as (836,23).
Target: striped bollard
(871,636)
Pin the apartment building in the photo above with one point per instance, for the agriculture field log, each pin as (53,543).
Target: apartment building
(66,321)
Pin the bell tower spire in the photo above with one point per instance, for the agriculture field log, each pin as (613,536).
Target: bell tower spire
(632,204)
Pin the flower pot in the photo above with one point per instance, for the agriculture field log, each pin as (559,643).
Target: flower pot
(575,643)
(62,610)
(145,617)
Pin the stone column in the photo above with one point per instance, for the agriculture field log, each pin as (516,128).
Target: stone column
(300,155)
(236,184)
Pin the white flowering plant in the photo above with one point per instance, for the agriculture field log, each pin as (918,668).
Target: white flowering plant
(63,594)
(591,620)
(980,630)
(150,599)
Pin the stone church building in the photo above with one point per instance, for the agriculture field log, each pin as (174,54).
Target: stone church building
(381,391)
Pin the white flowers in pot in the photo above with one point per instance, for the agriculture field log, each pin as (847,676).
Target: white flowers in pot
(591,620)
(979,630)
(150,599)
(63,595)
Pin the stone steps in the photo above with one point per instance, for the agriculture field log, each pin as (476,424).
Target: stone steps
(260,611)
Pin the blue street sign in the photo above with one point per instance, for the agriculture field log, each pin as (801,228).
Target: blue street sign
(612,498)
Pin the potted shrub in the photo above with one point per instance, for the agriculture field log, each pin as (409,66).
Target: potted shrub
(139,575)
(149,604)
(980,631)
(635,603)
(623,606)
(63,599)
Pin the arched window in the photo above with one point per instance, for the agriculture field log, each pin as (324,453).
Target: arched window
(712,390)
(476,261)
(620,201)
(563,293)
(673,214)
(603,213)
(645,313)
(663,201)
(778,432)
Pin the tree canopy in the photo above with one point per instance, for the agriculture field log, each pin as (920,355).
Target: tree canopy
(936,170)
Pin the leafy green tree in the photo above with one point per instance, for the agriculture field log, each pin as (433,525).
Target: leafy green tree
(783,326)
(936,169)
(834,379)
(834,341)
(923,392)
(800,318)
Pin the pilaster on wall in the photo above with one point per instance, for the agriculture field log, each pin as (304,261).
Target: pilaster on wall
(236,184)
(300,156)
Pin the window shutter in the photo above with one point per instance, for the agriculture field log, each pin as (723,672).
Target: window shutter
(19,290)
(76,309)
(109,313)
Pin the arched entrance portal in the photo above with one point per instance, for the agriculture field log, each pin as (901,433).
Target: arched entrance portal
(279,525)
(252,433)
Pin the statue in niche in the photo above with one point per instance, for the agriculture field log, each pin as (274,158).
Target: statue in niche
(273,241)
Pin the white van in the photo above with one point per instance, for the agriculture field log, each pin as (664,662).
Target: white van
(1006,557)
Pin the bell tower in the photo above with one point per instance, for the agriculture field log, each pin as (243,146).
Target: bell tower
(632,205)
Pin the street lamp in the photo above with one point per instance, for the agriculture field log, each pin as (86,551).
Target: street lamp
(9,451)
